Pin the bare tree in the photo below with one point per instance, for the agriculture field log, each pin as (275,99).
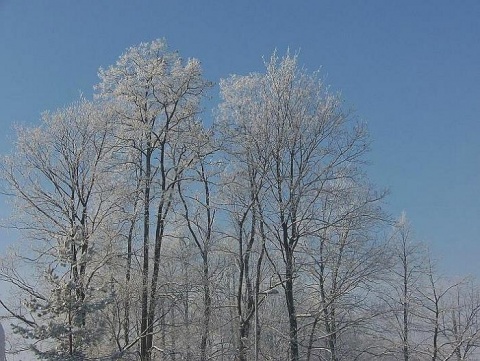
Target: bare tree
(199,214)
(462,324)
(450,317)
(247,244)
(243,191)
(401,297)
(300,141)
(342,263)
(157,96)
(65,204)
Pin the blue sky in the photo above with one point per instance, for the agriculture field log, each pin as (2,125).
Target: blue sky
(410,69)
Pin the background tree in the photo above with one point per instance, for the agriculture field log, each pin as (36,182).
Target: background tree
(343,262)
(195,192)
(449,313)
(65,204)
(462,327)
(401,299)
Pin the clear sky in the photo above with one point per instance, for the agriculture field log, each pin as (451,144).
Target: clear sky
(411,69)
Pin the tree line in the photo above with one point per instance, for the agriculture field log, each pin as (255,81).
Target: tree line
(150,235)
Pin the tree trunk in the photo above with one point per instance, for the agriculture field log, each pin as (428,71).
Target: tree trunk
(243,337)
(405,309)
(311,339)
(126,304)
(289,297)
(145,352)
(207,300)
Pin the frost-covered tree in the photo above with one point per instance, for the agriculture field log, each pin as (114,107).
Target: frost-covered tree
(401,298)
(245,242)
(461,322)
(64,205)
(157,95)
(342,262)
(199,213)
(449,328)
(298,140)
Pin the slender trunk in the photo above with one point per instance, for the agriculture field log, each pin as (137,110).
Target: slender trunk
(292,318)
(327,308)
(73,273)
(207,300)
(128,271)
(406,350)
(457,351)
(329,329)
(289,297)
(311,339)
(163,328)
(250,294)
(173,335)
(330,308)
(332,337)
(242,324)
(126,305)
(83,267)
(163,207)
(234,326)
(145,352)
(186,318)
(242,342)
(435,342)
(287,244)
(257,284)
(70,333)
(246,321)
(154,284)
(436,330)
